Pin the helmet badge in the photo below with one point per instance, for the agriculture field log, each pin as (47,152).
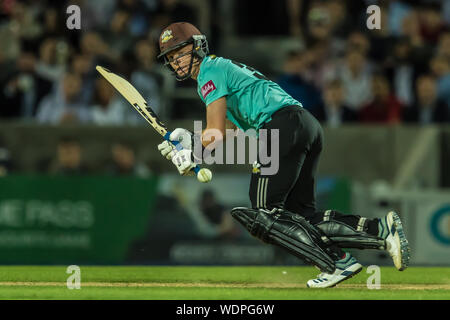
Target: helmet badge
(166,36)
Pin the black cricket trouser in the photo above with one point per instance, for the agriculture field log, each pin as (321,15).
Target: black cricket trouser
(300,145)
(293,186)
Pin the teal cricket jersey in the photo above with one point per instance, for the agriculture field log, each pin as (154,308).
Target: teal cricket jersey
(251,97)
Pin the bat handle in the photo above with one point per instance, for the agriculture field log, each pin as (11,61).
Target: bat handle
(179,147)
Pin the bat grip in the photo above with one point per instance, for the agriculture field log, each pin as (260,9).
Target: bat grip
(179,147)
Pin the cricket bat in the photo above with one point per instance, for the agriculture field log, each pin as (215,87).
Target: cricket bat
(130,93)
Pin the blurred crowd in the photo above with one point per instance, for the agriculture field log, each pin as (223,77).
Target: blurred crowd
(69,160)
(344,72)
(347,73)
(47,71)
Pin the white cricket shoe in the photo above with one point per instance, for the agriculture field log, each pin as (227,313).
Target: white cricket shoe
(345,269)
(396,243)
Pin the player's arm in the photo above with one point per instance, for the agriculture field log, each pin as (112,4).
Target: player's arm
(230,125)
(215,119)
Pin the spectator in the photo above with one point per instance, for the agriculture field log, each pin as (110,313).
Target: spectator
(44,73)
(411,28)
(397,11)
(124,161)
(326,56)
(319,23)
(64,106)
(431,22)
(51,20)
(118,36)
(324,47)
(23,23)
(145,77)
(47,66)
(400,68)
(340,20)
(358,41)
(32,86)
(110,108)
(294,82)
(23,87)
(92,45)
(10,90)
(421,49)
(384,107)
(334,112)
(322,64)
(443,48)
(68,158)
(380,39)
(428,108)
(10,45)
(440,68)
(356,77)
(82,65)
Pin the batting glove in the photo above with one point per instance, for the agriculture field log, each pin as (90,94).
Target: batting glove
(185,137)
(188,141)
(167,149)
(183,161)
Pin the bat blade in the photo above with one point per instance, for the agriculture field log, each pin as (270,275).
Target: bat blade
(130,93)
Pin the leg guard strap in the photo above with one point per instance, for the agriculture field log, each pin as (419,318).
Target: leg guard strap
(346,236)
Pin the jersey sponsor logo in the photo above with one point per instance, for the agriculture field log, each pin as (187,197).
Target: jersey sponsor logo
(207,88)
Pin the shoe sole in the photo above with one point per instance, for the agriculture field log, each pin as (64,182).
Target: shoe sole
(404,245)
(334,285)
(349,277)
(394,237)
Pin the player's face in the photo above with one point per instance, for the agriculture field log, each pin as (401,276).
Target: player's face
(181,59)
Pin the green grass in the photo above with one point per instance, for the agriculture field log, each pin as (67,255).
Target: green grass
(219,283)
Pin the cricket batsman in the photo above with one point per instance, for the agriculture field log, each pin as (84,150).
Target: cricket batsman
(283,209)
